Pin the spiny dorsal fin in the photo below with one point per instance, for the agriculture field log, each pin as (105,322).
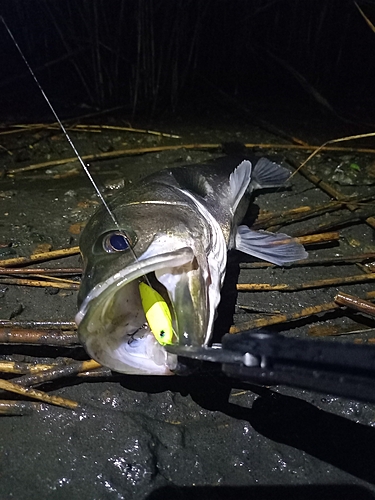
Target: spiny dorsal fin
(268,174)
(239,181)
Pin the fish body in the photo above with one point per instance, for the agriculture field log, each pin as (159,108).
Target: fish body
(180,224)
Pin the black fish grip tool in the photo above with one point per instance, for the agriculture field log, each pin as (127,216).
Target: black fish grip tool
(263,358)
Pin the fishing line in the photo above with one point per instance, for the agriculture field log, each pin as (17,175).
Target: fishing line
(83,164)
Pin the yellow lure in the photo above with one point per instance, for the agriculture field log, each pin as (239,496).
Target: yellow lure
(157,314)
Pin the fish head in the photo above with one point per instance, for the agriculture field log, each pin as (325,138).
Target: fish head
(163,244)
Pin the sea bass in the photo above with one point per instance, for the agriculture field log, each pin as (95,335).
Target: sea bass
(179,225)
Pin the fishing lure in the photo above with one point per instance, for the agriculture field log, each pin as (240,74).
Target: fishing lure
(157,314)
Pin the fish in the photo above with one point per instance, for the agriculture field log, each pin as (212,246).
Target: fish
(155,257)
(176,228)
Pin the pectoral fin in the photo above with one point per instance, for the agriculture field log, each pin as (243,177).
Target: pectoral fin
(277,248)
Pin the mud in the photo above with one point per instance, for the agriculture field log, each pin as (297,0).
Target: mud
(202,436)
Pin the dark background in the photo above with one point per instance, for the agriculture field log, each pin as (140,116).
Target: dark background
(214,67)
(155,56)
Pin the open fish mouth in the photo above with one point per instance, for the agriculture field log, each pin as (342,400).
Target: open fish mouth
(112,324)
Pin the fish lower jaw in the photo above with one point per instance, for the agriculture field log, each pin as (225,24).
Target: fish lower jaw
(112,318)
(114,332)
(134,357)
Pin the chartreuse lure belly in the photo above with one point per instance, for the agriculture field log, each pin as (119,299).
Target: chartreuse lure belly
(157,314)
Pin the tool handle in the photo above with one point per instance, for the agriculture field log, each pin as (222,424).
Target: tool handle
(339,368)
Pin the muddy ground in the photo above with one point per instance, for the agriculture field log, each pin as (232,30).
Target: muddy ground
(202,436)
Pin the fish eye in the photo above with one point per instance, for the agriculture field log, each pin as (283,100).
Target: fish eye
(116,242)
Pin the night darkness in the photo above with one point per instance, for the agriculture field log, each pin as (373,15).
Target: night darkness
(143,87)
(153,56)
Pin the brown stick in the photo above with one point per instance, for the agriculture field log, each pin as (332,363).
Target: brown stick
(365,341)
(18,368)
(19,407)
(97,373)
(30,324)
(343,220)
(86,128)
(38,283)
(265,287)
(55,279)
(309,147)
(33,393)
(371,221)
(319,183)
(158,149)
(361,208)
(333,141)
(37,127)
(56,372)
(368,22)
(112,154)
(344,299)
(313,239)
(352,259)
(22,368)
(327,187)
(38,337)
(265,216)
(126,129)
(266,220)
(69,271)
(39,257)
(335,330)
(283,318)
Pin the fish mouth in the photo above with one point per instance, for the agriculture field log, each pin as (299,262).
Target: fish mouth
(112,324)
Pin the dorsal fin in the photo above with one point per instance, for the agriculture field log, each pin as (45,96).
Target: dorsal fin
(239,181)
(268,174)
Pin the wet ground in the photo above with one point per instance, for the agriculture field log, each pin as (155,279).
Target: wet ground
(202,436)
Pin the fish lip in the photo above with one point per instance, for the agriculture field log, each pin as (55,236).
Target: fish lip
(108,337)
(136,270)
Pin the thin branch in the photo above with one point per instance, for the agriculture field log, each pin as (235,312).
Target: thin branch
(336,330)
(364,306)
(273,222)
(85,128)
(327,188)
(69,271)
(38,337)
(284,318)
(42,396)
(39,283)
(40,257)
(325,261)
(21,368)
(158,149)
(340,221)
(61,325)
(19,408)
(265,287)
(56,372)
(313,239)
